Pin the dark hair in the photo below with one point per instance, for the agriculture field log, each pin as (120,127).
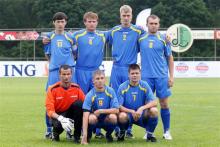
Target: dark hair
(133,67)
(153,16)
(65,67)
(59,16)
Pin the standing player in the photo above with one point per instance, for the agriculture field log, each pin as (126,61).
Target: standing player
(124,41)
(58,52)
(137,104)
(100,108)
(156,62)
(64,105)
(90,49)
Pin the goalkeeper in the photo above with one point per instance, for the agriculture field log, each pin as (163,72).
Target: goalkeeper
(64,105)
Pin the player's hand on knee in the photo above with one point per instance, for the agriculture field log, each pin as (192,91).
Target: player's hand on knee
(67,123)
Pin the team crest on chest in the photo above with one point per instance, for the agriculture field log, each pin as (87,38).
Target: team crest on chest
(91,40)
(125,35)
(100,102)
(151,44)
(59,43)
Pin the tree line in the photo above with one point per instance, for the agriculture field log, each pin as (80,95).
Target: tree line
(38,14)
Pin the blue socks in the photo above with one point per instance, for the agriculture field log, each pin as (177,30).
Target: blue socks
(151,125)
(48,123)
(165,115)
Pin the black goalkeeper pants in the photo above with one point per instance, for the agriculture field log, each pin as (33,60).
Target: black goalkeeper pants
(74,112)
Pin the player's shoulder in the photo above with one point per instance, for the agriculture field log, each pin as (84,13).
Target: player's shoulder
(137,29)
(79,32)
(91,93)
(74,85)
(100,33)
(124,85)
(161,36)
(69,34)
(54,86)
(143,84)
(115,28)
(50,34)
(109,91)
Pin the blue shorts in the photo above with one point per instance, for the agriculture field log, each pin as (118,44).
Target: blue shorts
(84,79)
(119,75)
(140,122)
(53,77)
(160,85)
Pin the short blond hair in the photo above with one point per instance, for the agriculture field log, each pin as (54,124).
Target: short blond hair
(98,72)
(126,9)
(91,15)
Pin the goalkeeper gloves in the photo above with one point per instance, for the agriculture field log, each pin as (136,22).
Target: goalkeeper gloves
(67,123)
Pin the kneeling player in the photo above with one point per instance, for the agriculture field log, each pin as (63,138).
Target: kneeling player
(137,105)
(100,109)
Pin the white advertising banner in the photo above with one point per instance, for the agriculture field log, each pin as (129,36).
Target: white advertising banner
(23,68)
(182,69)
(197,69)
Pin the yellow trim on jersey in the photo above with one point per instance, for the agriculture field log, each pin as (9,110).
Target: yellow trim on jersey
(142,88)
(108,94)
(101,35)
(145,36)
(93,98)
(158,36)
(125,90)
(136,30)
(116,29)
(68,38)
(81,34)
(52,36)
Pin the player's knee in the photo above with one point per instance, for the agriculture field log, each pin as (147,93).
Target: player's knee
(153,112)
(164,103)
(122,117)
(112,118)
(92,119)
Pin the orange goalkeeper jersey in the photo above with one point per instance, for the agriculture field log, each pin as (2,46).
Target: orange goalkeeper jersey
(59,99)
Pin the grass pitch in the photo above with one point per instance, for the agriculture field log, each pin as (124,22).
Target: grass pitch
(195,116)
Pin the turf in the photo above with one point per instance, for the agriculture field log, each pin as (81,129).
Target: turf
(195,115)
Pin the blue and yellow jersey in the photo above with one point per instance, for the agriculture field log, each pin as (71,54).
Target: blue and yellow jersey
(154,51)
(90,48)
(60,50)
(100,100)
(133,97)
(124,42)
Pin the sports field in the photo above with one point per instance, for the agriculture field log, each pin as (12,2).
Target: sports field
(195,116)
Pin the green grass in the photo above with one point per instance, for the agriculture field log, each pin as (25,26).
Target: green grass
(195,115)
